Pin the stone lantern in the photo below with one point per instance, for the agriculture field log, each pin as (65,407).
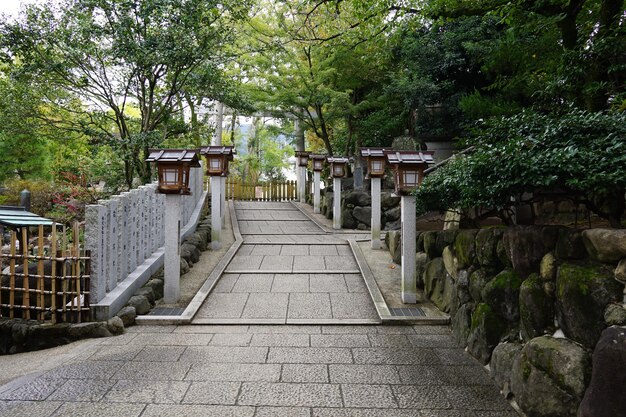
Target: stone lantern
(318,165)
(337,171)
(376,162)
(173,166)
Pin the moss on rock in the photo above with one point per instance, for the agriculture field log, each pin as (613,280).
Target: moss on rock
(502,294)
(465,247)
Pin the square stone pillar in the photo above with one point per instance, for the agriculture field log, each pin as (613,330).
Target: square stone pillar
(302,190)
(316,191)
(216,215)
(375,213)
(337,203)
(173,212)
(409,287)
(223,200)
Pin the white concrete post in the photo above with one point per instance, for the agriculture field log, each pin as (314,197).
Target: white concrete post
(316,191)
(216,216)
(409,288)
(223,200)
(375,213)
(302,190)
(171,288)
(337,203)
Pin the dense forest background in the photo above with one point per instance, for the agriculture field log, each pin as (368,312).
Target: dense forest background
(534,90)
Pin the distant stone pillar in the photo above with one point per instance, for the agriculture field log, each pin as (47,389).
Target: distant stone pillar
(302,191)
(337,203)
(25,199)
(316,192)
(409,288)
(375,212)
(173,211)
(223,200)
(216,216)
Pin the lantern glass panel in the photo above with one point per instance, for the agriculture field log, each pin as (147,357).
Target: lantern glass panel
(215,163)
(170,176)
(317,164)
(303,161)
(410,178)
(376,167)
(338,170)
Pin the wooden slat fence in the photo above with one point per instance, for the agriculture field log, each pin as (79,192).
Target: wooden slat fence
(51,284)
(267,191)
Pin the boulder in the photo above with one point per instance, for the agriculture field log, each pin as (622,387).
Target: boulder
(147,292)
(450,261)
(461,324)
(438,285)
(184,266)
(127,314)
(620,271)
(525,248)
(604,396)
(419,241)
(357,198)
(503,257)
(486,330)
(90,329)
(363,214)
(115,325)
(393,214)
(465,247)
(549,377)
(140,303)
(393,225)
(569,244)
(548,267)
(536,309)
(157,287)
(421,259)
(434,242)
(189,253)
(389,201)
(615,314)
(477,281)
(605,245)
(198,241)
(502,359)
(347,220)
(462,286)
(582,294)
(550,236)
(486,247)
(502,294)
(393,239)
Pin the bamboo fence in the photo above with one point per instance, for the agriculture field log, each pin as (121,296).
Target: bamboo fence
(267,191)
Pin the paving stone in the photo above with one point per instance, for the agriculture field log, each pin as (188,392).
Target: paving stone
(212,393)
(276,263)
(455,357)
(368,396)
(245,250)
(363,374)
(304,373)
(291,283)
(309,306)
(222,305)
(476,398)
(227,339)
(353,329)
(224,354)
(253,283)
(160,353)
(309,263)
(282,412)
(116,353)
(289,395)
(245,263)
(390,340)
(197,411)
(394,356)
(420,397)
(340,263)
(33,389)
(355,283)
(212,328)
(352,306)
(394,329)
(295,250)
(363,412)
(449,413)
(234,372)
(467,375)
(431,340)
(266,250)
(266,306)
(226,283)
(99,410)
(423,375)
(156,371)
(122,339)
(171,339)
(309,355)
(151,392)
(322,250)
(427,329)
(285,329)
(85,370)
(339,340)
(82,390)
(144,328)
(28,408)
(327,283)
(280,340)
(344,250)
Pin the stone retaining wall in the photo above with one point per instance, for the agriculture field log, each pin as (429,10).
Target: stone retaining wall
(126,232)
(537,305)
(356,209)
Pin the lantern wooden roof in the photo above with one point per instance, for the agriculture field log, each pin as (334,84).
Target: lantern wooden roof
(373,152)
(303,153)
(317,156)
(409,157)
(337,160)
(188,156)
(229,151)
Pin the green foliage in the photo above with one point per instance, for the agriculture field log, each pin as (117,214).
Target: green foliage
(580,152)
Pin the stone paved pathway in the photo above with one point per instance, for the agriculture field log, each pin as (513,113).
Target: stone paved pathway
(288,270)
(321,371)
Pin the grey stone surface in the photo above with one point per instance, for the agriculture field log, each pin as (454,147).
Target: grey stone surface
(234,372)
(355,283)
(253,283)
(309,263)
(323,250)
(304,373)
(151,392)
(226,283)
(228,339)
(327,283)
(309,306)
(423,375)
(394,356)
(276,263)
(186,410)
(223,305)
(286,394)
(28,408)
(290,283)
(37,389)
(340,263)
(160,354)
(282,411)
(224,354)
(389,340)
(421,397)
(169,339)
(352,305)
(280,340)
(379,396)
(152,371)
(363,374)
(266,306)
(309,355)
(339,340)
(82,390)
(71,409)
(213,392)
